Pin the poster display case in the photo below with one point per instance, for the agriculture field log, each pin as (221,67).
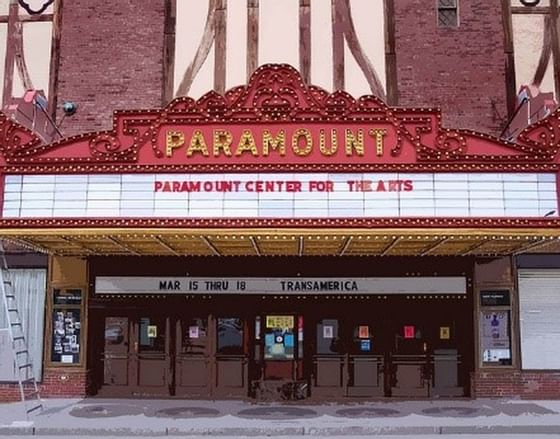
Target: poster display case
(66,326)
(495,328)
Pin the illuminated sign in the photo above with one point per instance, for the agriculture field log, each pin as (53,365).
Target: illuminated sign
(281,195)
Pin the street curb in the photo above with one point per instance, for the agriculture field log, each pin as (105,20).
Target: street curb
(281,431)
(237,431)
(15,431)
(58,431)
(502,429)
(367,431)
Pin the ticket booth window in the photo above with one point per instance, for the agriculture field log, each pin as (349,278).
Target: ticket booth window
(279,338)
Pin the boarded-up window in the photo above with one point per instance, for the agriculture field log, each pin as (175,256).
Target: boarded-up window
(539,311)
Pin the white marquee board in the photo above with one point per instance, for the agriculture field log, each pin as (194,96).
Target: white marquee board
(281,195)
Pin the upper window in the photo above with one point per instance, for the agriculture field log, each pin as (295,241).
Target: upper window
(448,14)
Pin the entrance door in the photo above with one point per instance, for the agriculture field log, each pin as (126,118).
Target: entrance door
(280,348)
(329,359)
(231,356)
(116,353)
(366,357)
(425,359)
(136,359)
(410,373)
(151,348)
(192,372)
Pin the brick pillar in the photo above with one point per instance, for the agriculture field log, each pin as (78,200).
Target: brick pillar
(111,57)
(461,70)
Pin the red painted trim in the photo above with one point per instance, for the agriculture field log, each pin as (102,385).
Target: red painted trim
(311,223)
(67,168)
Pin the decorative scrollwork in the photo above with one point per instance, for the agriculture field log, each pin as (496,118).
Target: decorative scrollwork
(15,139)
(32,11)
(107,147)
(530,2)
(449,142)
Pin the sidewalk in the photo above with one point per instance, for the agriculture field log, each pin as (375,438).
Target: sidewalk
(115,417)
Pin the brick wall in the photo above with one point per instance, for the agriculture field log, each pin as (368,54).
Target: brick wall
(111,57)
(57,383)
(461,70)
(507,383)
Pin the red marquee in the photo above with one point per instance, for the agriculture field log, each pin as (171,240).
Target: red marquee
(277,123)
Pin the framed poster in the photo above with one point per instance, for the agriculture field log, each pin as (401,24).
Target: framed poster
(66,329)
(495,338)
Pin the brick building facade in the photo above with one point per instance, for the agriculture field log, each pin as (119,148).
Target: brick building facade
(455,55)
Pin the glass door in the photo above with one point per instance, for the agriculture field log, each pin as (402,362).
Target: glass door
(152,347)
(231,356)
(116,352)
(192,373)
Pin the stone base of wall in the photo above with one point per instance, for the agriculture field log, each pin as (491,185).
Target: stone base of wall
(515,383)
(57,383)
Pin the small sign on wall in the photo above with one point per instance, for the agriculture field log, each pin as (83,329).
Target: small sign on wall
(444,333)
(152,331)
(193,332)
(282,322)
(363,331)
(409,331)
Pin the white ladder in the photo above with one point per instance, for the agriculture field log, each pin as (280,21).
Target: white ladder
(28,389)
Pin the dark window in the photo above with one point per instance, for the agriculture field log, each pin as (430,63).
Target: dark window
(230,336)
(448,14)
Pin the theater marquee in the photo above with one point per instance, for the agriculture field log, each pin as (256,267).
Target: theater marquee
(281,195)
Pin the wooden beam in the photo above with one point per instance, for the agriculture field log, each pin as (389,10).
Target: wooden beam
(220,41)
(201,52)
(346,245)
(475,246)
(511,88)
(122,245)
(531,245)
(530,10)
(351,37)
(338,45)
(9,60)
(255,245)
(79,244)
(54,65)
(169,36)
(252,36)
(30,18)
(391,246)
(390,53)
(211,246)
(305,40)
(434,246)
(555,44)
(166,245)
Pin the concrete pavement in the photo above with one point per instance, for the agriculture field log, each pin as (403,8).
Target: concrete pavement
(144,417)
